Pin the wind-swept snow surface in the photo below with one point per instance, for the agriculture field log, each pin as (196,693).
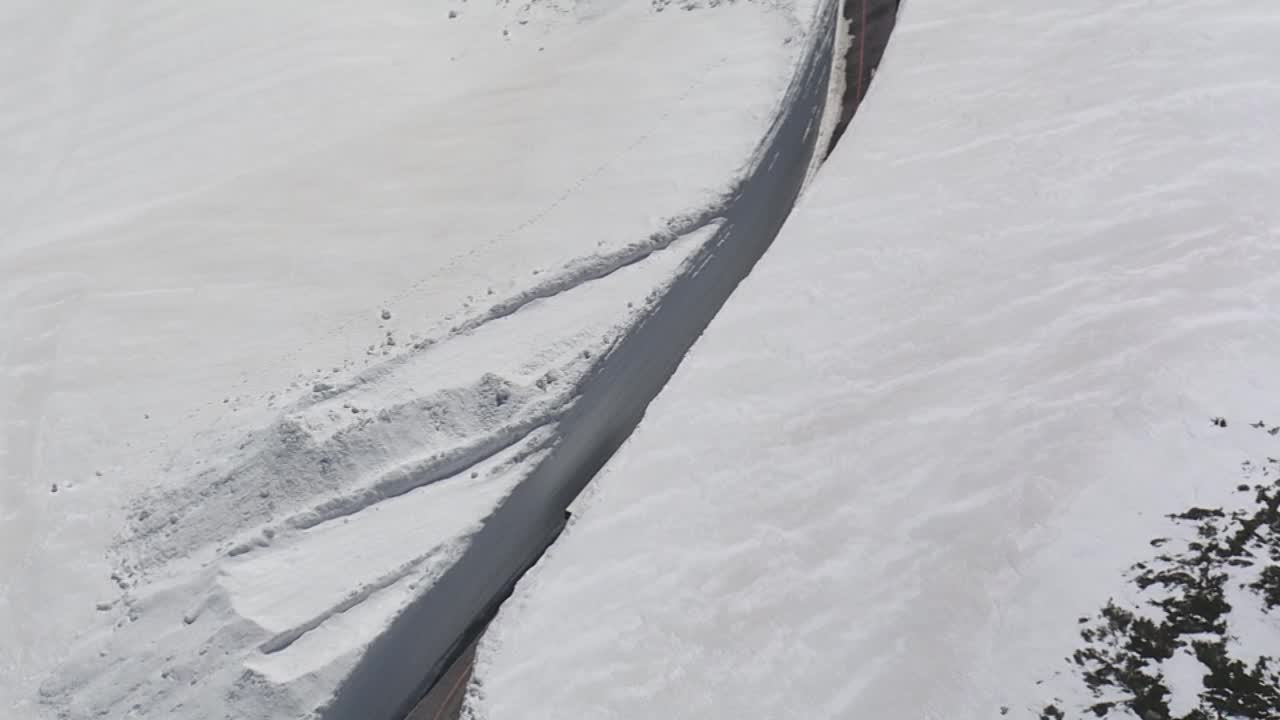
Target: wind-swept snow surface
(924,441)
(291,295)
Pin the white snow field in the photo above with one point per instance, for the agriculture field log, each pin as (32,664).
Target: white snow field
(956,398)
(292,293)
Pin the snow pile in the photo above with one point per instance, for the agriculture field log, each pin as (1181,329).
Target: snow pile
(954,404)
(292,296)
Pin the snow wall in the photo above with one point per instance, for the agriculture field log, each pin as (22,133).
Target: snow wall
(870,22)
(406,660)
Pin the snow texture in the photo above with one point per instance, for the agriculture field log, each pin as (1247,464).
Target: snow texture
(957,398)
(291,295)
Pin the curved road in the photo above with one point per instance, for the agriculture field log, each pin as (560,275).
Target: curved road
(870,22)
(421,650)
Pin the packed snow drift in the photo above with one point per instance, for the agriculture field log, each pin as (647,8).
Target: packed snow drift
(292,295)
(988,431)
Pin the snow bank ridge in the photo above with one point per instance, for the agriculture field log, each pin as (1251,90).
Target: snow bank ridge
(283,640)
(595,267)
(414,473)
(350,460)
(237,559)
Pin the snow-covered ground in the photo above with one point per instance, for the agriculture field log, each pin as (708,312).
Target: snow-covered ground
(957,399)
(269,272)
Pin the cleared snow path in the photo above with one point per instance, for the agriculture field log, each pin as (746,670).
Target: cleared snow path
(859,40)
(431,631)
